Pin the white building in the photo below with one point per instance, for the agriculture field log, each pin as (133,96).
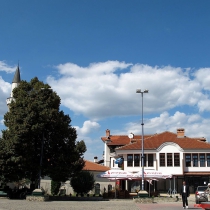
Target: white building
(185,158)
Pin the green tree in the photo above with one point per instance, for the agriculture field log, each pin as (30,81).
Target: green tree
(55,186)
(83,182)
(38,129)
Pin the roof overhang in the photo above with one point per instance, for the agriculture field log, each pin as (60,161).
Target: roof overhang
(207,173)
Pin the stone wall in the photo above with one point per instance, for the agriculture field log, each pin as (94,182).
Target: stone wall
(37,198)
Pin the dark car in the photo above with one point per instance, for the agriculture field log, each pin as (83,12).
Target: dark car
(201,195)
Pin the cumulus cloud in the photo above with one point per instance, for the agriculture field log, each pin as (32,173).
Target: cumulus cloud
(88,127)
(194,125)
(2,122)
(203,77)
(74,70)
(5,67)
(5,89)
(108,89)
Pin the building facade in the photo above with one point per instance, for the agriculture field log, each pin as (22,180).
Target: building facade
(184,157)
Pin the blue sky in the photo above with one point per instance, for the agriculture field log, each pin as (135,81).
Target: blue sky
(95,54)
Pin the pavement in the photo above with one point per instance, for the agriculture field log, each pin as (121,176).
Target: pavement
(115,204)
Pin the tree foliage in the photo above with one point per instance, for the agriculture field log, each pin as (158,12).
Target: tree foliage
(83,182)
(34,120)
(55,186)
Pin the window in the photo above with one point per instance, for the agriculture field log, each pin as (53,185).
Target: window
(188,160)
(162,159)
(145,160)
(150,159)
(195,160)
(169,159)
(208,159)
(202,160)
(136,160)
(176,159)
(129,160)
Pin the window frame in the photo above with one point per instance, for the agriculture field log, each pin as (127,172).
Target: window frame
(162,159)
(169,159)
(150,160)
(202,161)
(195,159)
(176,159)
(129,160)
(189,158)
(136,160)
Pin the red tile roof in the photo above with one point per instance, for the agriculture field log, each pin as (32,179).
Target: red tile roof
(122,139)
(91,166)
(156,140)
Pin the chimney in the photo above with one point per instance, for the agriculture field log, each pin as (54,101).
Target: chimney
(107,132)
(180,133)
(95,159)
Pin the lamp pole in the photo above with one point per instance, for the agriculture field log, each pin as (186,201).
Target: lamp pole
(142,138)
(42,148)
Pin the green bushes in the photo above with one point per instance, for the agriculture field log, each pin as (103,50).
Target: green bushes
(83,182)
(55,186)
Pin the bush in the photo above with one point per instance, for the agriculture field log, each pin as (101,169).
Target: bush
(55,186)
(83,182)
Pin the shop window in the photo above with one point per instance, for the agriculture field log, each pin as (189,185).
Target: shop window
(188,160)
(129,160)
(176,159)
(162,159)
(169,159)
(136,160)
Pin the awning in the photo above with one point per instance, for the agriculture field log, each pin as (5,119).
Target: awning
(121,174)
(197,173)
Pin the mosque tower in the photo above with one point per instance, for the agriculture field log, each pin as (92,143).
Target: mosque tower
(15,83)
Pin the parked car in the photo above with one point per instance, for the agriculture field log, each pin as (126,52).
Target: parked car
(201,195)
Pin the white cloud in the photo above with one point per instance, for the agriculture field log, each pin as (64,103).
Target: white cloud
(204,105)
(93,144)
(100,90)
(2,122)
(5,89)
(88,127)
(203,77)
(93,69)
(194,125)
(5,67)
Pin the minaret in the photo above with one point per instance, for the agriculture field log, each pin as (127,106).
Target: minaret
(15,83)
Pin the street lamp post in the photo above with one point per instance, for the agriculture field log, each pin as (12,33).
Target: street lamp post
(41,154)
(142,138)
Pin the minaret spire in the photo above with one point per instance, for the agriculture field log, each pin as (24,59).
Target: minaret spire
(16,78)
(15,83)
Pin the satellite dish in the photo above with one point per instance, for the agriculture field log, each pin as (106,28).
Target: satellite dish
(130,135)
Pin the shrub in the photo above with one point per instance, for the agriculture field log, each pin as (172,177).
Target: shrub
(83,182)
(55,186)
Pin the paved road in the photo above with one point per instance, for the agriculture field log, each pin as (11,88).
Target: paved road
(165,206)
(6,204)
